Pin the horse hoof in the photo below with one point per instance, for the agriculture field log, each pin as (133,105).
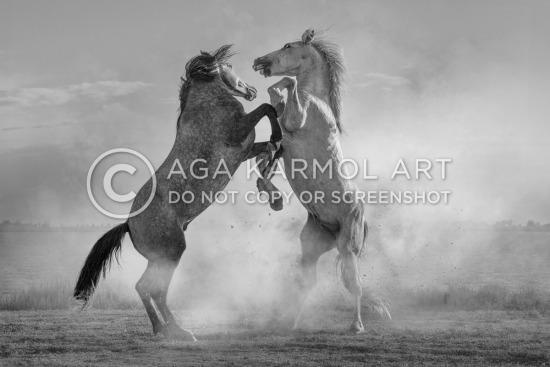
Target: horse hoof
(157,329)
(357,328)
(174,332)
(188,336)
(277,204)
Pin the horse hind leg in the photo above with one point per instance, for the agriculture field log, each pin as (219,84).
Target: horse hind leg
(159,294)
(160,290)
(350,277)
(350,244)
(143,287)
(315,241)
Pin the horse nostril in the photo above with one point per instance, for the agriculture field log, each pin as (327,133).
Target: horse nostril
(251,92)
(258,62)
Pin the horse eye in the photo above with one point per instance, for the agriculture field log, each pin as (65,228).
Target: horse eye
(229,66)
(287,45)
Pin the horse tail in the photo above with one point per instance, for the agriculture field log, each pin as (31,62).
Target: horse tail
(98,261)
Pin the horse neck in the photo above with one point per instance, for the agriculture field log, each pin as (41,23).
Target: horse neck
(201,93)
(313,78)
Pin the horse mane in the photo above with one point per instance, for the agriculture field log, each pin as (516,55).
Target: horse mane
(203,68)
(334,57)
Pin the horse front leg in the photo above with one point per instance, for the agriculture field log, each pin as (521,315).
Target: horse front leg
(293,113)
(276,98)
(266,164)
(266,153)
(248,122)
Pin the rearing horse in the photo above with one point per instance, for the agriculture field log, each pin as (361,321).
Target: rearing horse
(212,127)
(311,125)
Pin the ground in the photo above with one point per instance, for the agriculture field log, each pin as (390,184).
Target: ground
(124,338)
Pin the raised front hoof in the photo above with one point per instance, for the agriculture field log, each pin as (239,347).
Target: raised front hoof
(357,328)
(174,332)
(275,201)
(276,204)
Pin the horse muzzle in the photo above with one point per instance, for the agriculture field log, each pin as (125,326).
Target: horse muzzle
(241,89)
(263,65)
(251,93)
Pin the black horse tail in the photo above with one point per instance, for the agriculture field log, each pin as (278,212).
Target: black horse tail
(98,261)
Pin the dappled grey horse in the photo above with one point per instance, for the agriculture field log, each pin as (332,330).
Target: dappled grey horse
(212,127)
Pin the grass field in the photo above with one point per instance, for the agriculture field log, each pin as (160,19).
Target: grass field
(498,315)
(124,338)
(57,295)
(457,325)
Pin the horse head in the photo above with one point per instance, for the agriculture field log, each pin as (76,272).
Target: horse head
(288,59)
(234,84)
(206,67)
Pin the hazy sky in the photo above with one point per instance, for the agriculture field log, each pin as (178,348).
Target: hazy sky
(467,80)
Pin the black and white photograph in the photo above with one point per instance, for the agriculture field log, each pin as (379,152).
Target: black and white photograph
(288,183)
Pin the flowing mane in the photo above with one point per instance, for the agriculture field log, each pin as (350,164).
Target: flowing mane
(333,55)
(203,68)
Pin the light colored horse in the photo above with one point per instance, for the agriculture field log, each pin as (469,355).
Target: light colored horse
(311,125)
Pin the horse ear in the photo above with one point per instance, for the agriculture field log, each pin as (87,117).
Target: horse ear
(308,36)
(204,53)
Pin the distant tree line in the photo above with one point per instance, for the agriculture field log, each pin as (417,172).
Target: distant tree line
(503,225)
(18,226)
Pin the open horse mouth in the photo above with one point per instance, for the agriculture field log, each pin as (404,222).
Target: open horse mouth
(263,66)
